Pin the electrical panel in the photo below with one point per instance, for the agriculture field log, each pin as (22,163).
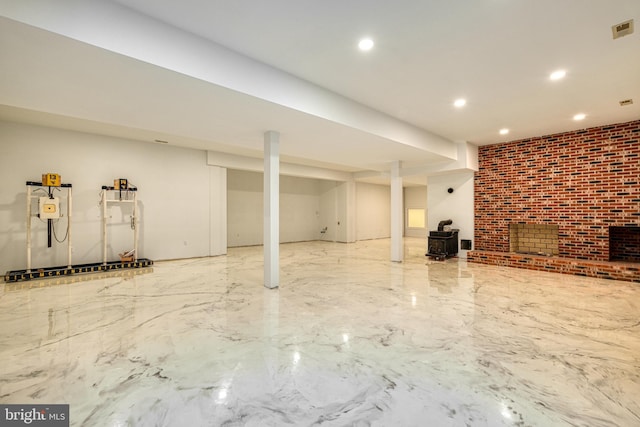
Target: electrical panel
(51,180)
(49,208)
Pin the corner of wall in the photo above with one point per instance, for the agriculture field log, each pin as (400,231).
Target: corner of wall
(457,205)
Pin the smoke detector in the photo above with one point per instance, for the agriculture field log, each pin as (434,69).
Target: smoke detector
(622,29)
(626,102)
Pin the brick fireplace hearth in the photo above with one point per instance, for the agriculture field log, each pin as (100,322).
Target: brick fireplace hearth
(585,183)
(536,239)
(624,244)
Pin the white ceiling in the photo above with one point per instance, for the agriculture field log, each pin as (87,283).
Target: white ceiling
(497,54)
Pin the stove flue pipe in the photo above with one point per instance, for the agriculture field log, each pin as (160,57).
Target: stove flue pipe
(441,224)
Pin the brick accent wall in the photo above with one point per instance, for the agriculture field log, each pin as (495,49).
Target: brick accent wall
(583,181)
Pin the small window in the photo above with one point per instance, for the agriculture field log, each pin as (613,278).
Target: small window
(415,218)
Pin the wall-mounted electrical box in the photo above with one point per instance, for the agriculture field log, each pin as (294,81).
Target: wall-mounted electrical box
(49,208)
(51,180)
(121,184)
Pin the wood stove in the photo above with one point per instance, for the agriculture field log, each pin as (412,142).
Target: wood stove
(442,244)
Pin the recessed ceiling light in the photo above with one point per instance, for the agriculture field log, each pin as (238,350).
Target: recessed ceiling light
(557,75)
(580,116)
(365,44)
(504,131)
(460,102)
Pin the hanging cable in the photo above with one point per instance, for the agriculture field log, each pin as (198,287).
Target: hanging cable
(65,235)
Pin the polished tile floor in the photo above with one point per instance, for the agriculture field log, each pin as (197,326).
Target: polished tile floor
(349,339)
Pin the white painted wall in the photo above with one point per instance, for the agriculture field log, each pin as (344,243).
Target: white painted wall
(329,210)
(306,207)
(457,206)
(373,211)
(299,208)
(182,200)
(415,198)
(244,208)
(173,189)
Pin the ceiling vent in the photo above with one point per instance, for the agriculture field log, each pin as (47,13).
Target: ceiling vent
(622,29)
(626,102)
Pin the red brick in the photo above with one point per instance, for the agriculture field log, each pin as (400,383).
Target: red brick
(584,172)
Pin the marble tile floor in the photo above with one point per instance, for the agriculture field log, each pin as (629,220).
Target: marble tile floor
(349,339)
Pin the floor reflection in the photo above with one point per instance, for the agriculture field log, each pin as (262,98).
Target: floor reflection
(349,338)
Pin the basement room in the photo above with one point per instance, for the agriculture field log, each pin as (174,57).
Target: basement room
(294,213)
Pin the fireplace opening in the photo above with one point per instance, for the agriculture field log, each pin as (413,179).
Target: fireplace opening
(624,244)
(536,239)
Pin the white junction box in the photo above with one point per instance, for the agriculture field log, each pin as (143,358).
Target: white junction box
(49,208)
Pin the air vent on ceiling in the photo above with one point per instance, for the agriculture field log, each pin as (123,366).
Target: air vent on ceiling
(622,29)
(626,102)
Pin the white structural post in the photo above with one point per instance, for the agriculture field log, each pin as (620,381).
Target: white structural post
(134,219)
(397,218)
(271,209)
(69,246)
(351,217)
(218,210)
(104,227)
(28,228)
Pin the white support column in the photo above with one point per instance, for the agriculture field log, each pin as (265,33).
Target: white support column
(134,225)
(397,217)
(69,209)
(104,227)
(271,209)
(29,228)
(351,216)
(218,210)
